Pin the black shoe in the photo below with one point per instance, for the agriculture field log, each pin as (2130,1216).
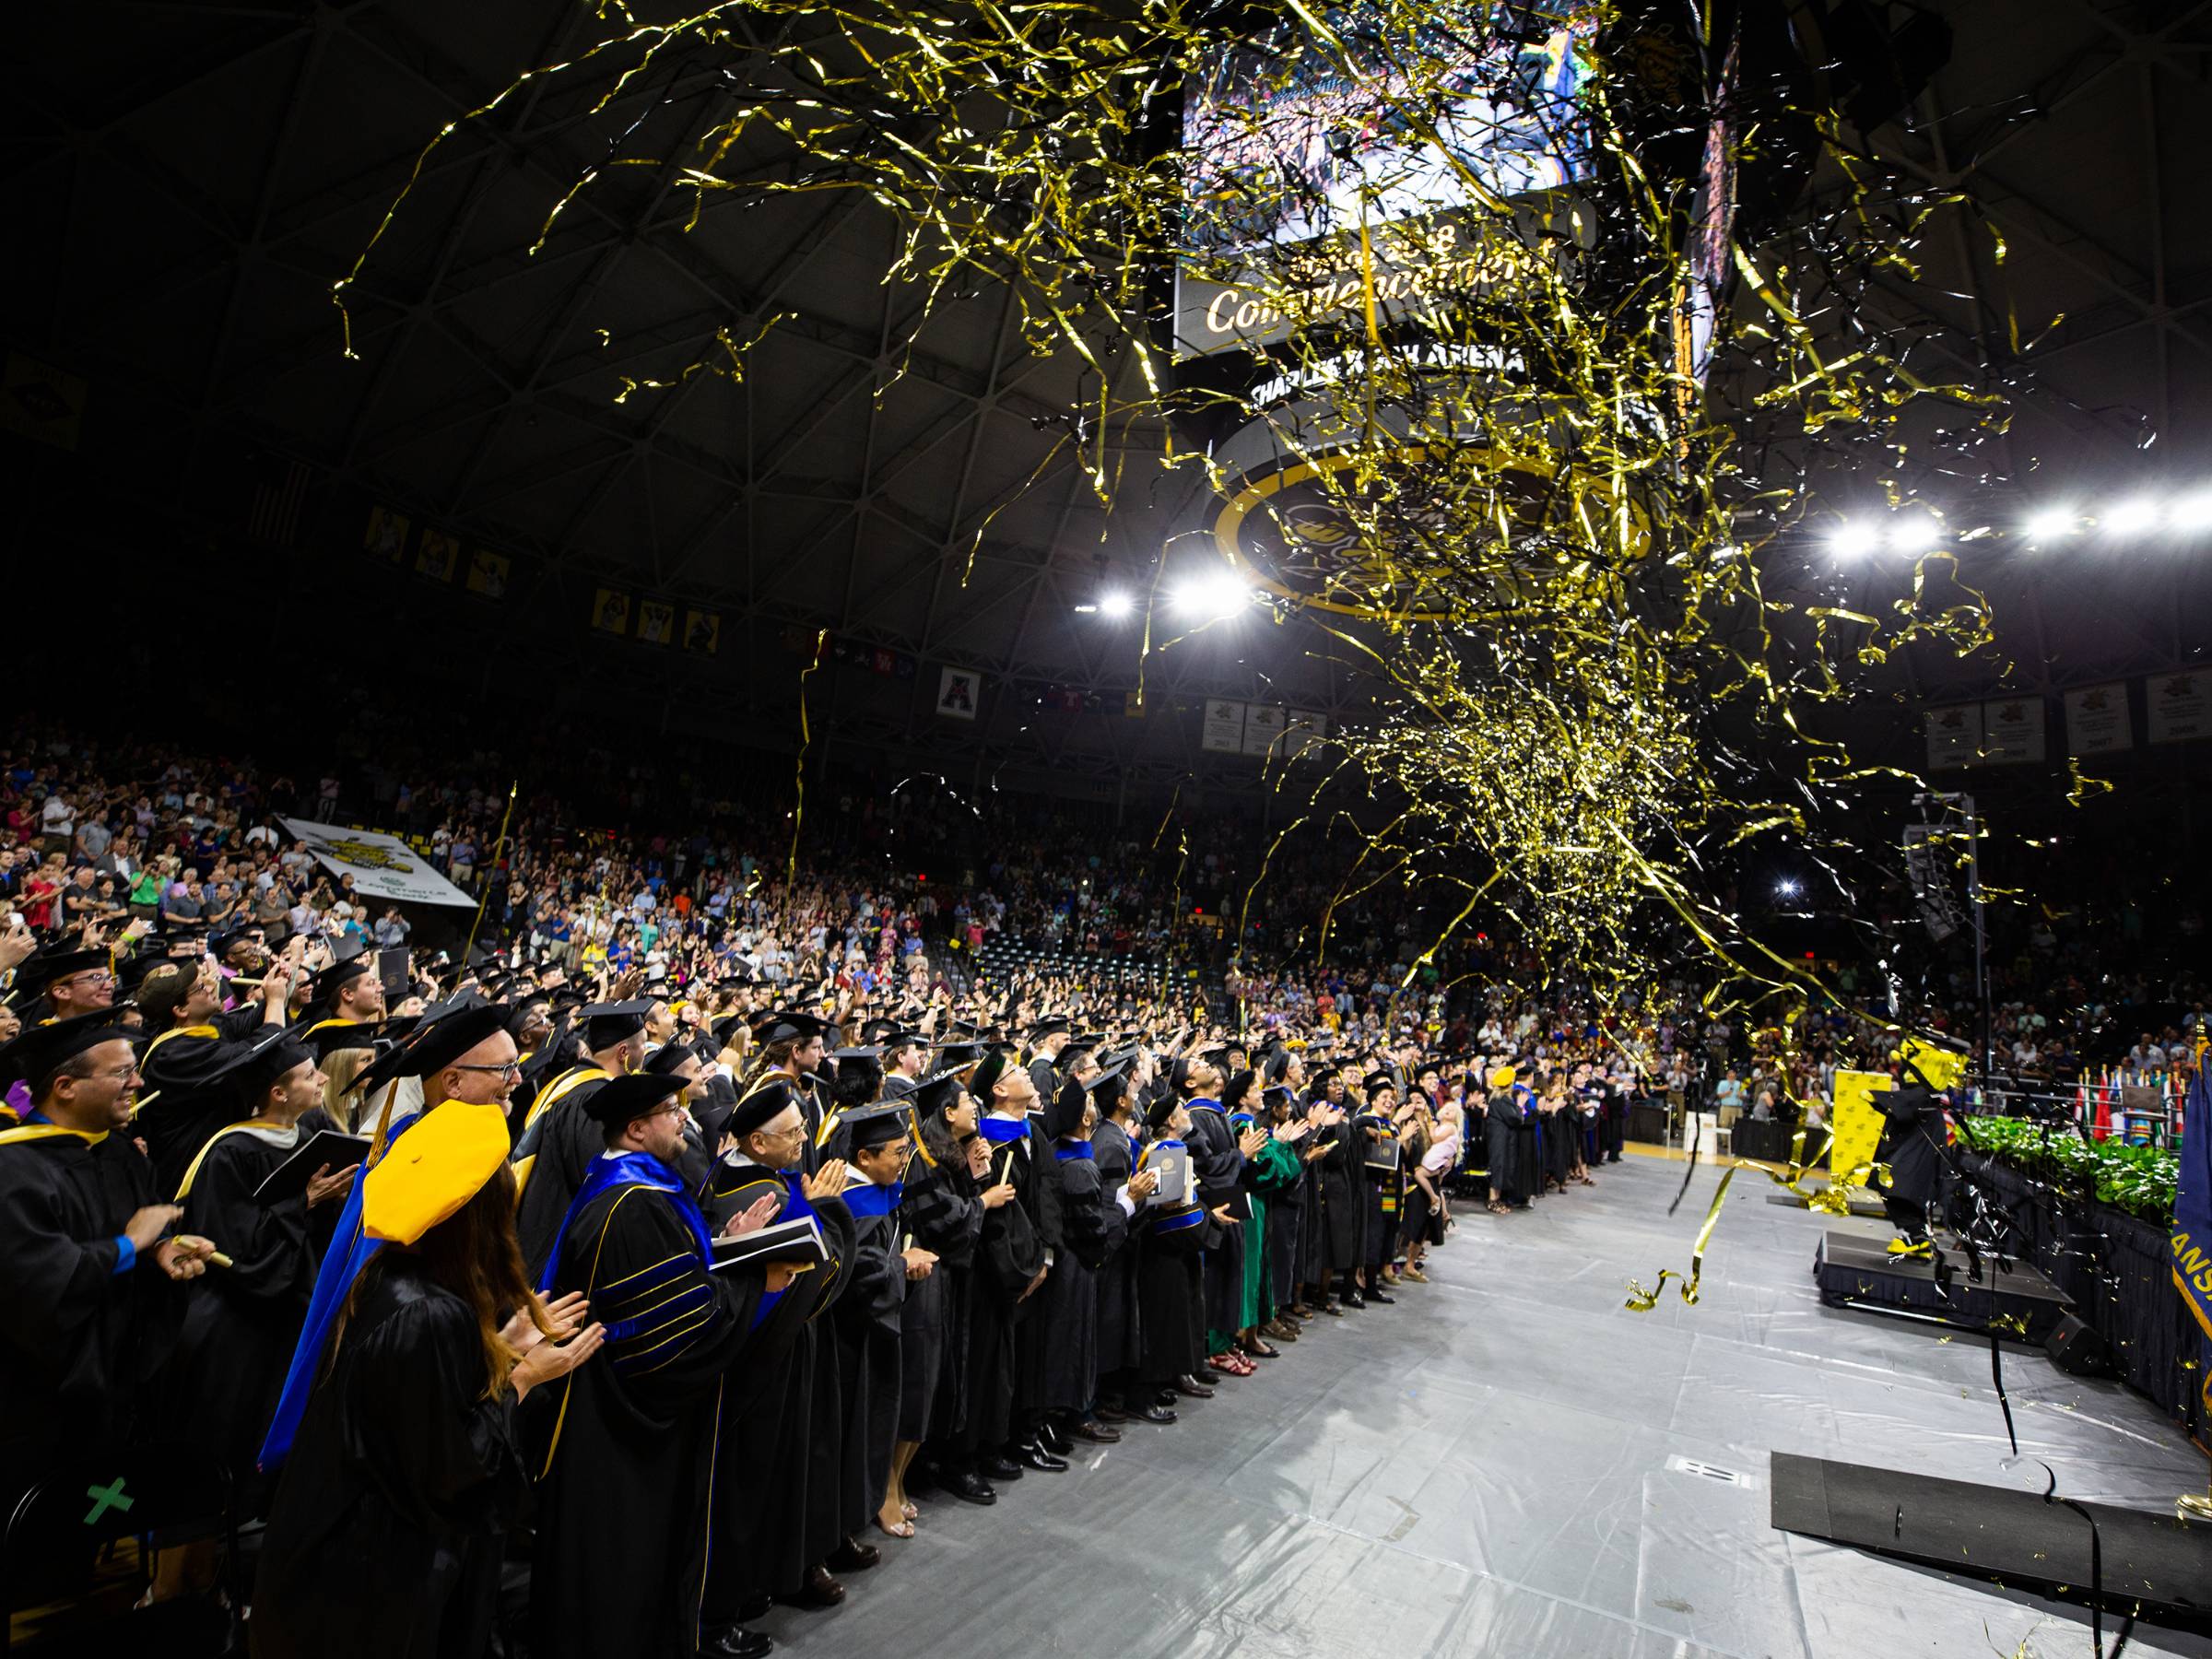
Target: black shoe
(1352,1299)
(1054,1439)
(1166,1398)
(1034,1456)
(1113,1414)
(817,1589)
(998,1468)
(736,1644)
(1158,1414)
(1098,1434)
(969,1488)
(853,1556)
(1377,1296)
(1190,1388)
(759,1609)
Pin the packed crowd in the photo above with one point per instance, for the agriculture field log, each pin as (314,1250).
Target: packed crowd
(718,1284)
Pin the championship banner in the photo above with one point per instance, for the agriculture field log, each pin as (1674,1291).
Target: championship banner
(1858,1124)
(2193,1215)
(382,867)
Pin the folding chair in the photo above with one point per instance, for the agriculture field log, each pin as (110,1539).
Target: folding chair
(65,1521)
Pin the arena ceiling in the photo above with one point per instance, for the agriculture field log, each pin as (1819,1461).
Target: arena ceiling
(186,180)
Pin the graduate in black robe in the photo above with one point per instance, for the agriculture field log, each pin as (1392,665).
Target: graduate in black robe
(185,1062)
(1094,1221)
(559,1140)
(776,1519)
(1115,1143)
(1170,1283)
(942,1209)
(407,1472)
(866,1322)
(90,1305)
(1343,1188)
(1009,1267)
(243,1321)
(622,1494)
(1218,1168)
(1380,1158)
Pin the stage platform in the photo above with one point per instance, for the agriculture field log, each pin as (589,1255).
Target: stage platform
(1857,1270)
(1509,1462)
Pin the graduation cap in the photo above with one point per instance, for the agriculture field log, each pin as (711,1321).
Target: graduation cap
(1048,1028)
(763,1103)
(1216,1057)
(879,1125)
(1276,1065)
(939,1092)
(438,1042)
(622,1100)
(336,978)
(1158,1113)
(1063,1111)
(1179,1073)
(606,1024)
(220,943)
(664,1061)
(786,1025)
(1378,1079)
(328,1036)
(1274,1095)
(727,1028)
(1239,1086)
(988,1071)
(959,1053)
(43,968)
(255,1066)
(443,1162)
(38,1052)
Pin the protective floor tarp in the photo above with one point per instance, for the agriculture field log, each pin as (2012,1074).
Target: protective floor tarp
(1508,1462)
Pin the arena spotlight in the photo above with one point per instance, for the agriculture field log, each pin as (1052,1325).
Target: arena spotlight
(2192,512)
(2131,517)
(1787,888)
(2052,524)
(1211,597)
(1916,532)
(1855,539)
(1114,605)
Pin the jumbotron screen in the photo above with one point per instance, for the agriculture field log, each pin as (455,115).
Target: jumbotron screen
(1283,149)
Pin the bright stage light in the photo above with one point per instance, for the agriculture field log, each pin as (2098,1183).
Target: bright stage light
(1855,539)
(2131,518)
(2052,524)
(1209,598)
(1916,532)
(1113,605)
(1787,888)
(2191,512)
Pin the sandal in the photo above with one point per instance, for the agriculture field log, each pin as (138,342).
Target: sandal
(910,1509)
(1499,1209)
(905,1529)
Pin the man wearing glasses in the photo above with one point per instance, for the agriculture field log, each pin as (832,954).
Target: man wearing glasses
(90,1307)
(75,983)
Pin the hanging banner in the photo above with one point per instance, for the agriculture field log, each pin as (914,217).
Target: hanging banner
(488,573)
(702,631)
(656,621)
(386,537)
(611,611)
(958,692)
(2096,719)
(1263,730)
(2178,707)
(382,867)
(1224,730)
(1954,736)
(2012,731)
(1301,728)
(436,555)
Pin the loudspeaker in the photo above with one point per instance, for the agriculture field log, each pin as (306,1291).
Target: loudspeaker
(2078,1350)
